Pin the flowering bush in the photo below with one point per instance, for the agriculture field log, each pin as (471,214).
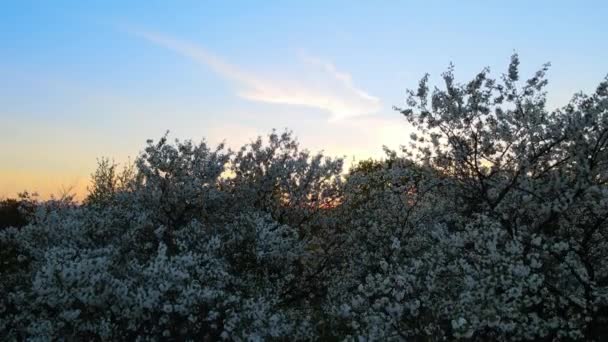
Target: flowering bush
(491,225)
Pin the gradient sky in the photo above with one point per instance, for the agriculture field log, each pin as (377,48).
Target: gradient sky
(85,79)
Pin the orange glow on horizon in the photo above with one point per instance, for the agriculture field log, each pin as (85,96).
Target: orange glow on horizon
(45,184)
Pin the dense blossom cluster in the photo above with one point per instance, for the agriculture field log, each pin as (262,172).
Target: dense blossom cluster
(492,225)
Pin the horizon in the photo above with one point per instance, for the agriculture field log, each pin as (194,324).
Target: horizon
(80,82)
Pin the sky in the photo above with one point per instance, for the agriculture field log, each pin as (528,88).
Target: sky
(80,80)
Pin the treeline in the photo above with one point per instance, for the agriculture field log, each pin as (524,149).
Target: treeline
(18,212)
(491,225)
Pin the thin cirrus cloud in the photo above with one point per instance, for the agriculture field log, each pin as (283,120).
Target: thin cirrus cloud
(323,87)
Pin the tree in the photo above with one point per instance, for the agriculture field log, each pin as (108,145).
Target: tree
(510,243)
(107,181)
(10,215)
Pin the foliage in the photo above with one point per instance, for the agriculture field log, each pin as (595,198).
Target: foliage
(108,180)
(10,215)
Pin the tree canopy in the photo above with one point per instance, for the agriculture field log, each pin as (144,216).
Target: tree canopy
(491,225)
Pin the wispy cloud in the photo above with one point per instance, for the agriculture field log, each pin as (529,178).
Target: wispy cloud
(324,87)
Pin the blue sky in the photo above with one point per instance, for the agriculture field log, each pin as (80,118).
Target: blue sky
(81,80)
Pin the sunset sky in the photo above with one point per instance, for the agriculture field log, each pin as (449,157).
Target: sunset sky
(84,79)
